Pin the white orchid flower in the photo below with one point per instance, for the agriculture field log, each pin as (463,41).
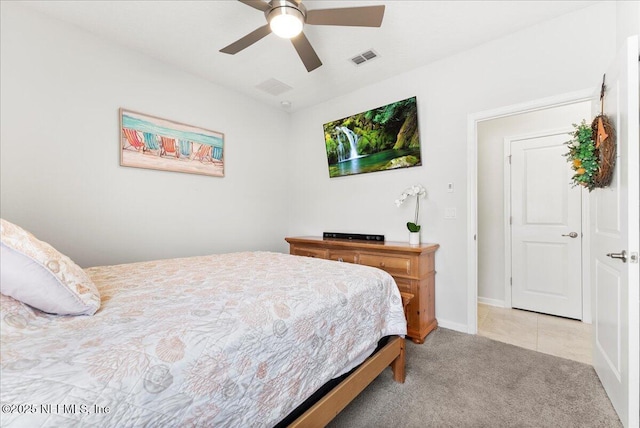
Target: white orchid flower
(418,191)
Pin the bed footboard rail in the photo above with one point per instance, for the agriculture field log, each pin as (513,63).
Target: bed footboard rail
(320,414)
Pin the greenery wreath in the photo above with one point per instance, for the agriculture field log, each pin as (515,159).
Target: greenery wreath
(592,153)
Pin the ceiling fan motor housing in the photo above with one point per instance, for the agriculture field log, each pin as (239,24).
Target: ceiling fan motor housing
(285,7)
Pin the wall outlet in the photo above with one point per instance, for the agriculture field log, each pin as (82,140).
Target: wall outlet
(449,213)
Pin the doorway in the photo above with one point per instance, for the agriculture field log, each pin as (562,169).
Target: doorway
(530,240)
(487,205)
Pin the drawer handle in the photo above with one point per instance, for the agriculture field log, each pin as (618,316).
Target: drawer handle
(340,259)
(381,264)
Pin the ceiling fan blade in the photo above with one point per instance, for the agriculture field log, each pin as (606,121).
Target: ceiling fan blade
(247,40)
(364,16)
(305,51)
(257,4)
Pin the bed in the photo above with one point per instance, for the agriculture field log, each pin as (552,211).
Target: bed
(228,340)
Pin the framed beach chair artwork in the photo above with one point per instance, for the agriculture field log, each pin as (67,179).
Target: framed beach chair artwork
(155,143)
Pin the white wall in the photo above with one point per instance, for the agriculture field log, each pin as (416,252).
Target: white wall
(491,221)
(539,62)
(60,176)
(627,20)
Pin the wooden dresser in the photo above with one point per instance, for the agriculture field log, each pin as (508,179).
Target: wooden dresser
(412,267)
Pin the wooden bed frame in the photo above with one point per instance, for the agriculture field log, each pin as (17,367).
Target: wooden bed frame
(320,414)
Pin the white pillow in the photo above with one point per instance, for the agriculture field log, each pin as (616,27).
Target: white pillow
(35,273)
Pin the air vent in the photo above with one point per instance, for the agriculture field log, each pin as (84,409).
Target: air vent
(273,87)
(364,57)
(369,55)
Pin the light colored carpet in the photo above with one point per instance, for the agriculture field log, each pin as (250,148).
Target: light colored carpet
(460,380)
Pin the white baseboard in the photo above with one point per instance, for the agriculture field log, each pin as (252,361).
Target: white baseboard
(453,325)
(491,302)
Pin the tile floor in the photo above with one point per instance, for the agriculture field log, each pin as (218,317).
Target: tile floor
(557,336)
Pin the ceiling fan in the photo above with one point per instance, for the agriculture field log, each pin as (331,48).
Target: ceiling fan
(286,18)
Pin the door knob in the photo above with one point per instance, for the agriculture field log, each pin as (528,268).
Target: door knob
(571,235)
(622,256)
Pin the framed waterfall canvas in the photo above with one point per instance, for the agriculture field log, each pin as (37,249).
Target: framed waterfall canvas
(155,143)
(380,139)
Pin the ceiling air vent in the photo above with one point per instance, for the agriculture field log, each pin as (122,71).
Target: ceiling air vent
(364,57)
(273,87)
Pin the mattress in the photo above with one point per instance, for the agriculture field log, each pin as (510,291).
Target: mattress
(225,340)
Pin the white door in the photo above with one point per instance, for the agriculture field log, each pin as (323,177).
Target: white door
(546,228)
(614,229)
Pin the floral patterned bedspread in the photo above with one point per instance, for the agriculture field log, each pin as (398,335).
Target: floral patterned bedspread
(230,340)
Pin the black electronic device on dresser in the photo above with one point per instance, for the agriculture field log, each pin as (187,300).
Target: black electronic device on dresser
(353,236)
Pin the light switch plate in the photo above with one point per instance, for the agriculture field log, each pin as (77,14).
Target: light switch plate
(449,213)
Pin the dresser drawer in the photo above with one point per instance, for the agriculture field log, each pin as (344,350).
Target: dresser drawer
(391,264)
(320,253)
(343,256)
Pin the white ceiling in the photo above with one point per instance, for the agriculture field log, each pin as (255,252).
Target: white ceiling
(189,34)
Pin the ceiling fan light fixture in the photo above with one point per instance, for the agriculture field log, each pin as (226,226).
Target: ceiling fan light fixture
(286,21)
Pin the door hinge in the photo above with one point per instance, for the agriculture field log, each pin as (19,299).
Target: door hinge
(510,219)
(509,157)
(511,281)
